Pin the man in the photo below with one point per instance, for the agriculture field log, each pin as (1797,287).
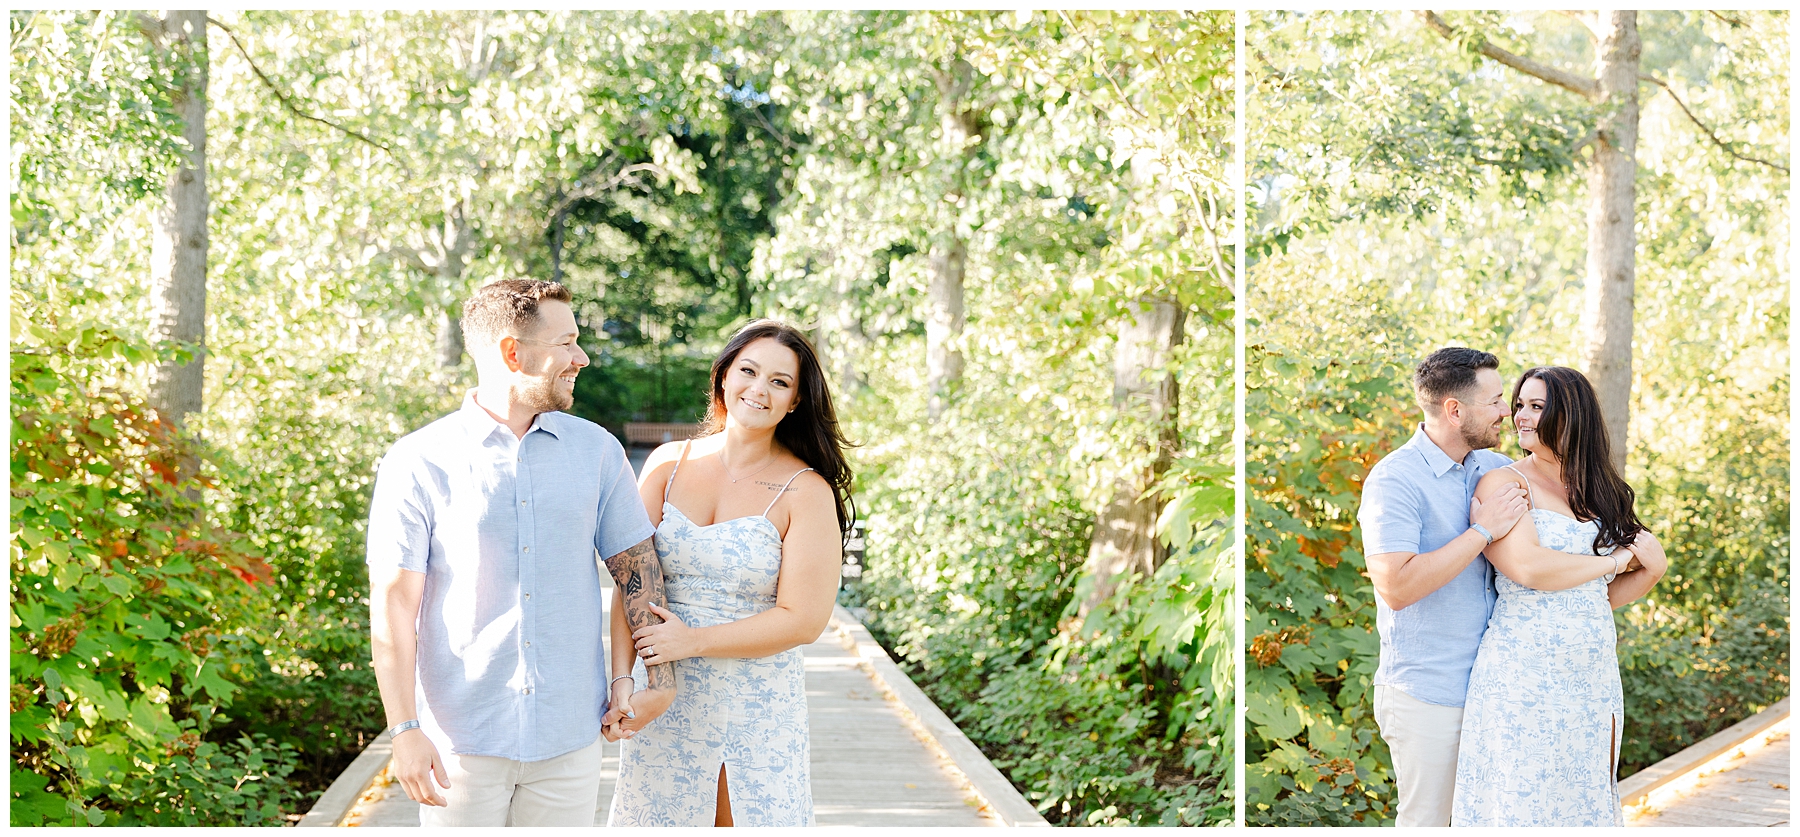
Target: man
(1423,533)
(485,601)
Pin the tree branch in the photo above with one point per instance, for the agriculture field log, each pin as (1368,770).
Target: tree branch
(1586,87)
(283,97)
(1708,131)
(627,176)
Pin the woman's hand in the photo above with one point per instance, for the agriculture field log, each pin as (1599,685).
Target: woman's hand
(619,710)
(672,640)
(1649,553)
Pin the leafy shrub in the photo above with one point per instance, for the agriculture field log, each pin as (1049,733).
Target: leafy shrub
(1682,684)
(976,543)
(127,605)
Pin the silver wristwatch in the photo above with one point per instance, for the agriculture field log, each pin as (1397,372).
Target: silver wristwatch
(402,727)
(1482,531)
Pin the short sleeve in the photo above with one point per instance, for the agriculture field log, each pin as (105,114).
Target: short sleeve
(399,517)
(622,522)
(1390,513)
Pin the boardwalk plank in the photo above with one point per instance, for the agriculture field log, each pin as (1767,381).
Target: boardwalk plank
(1742,794)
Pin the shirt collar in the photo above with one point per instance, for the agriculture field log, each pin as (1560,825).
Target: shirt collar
(1435,457)
(480,425)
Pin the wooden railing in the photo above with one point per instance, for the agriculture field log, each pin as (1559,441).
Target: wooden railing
(657,433)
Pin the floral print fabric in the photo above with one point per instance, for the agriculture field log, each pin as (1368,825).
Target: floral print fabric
(1545,711)
(748,715)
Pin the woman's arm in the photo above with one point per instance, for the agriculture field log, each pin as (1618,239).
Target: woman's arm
(1520,557)
(620,657)
(811,562)
(655,479)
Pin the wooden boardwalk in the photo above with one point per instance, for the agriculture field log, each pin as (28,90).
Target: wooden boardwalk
(873,762)
(1744,785)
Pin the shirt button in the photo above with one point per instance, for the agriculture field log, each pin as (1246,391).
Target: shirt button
(528,691)
(523,502)
(528,549)
(528,643)
(527,595)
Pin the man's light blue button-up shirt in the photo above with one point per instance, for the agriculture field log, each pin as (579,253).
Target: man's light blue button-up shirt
(1416,500)
(505,530)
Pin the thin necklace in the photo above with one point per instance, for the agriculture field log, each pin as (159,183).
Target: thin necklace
(767,463)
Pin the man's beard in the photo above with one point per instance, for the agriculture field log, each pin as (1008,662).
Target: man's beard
(546,397)
(1481,438)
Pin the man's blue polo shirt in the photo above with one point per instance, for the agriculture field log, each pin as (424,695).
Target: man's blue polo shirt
(1416,500)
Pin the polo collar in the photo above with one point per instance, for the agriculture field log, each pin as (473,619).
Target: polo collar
(480,425)
(1435,457)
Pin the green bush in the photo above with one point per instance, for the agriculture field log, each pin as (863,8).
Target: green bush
(128,608)
(976,545)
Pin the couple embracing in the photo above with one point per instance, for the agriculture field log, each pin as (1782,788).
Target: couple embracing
(1498,690)
(486,601)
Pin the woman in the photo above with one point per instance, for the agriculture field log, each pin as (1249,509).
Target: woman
(750,522)
(1541,724)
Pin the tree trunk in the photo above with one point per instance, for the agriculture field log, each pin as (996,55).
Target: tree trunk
(1612,239)
(179,241)
(944,321)
(455,242)
(1144,393)
(841,339)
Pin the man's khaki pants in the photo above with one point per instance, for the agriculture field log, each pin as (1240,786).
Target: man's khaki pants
(1423,739)
(484,790)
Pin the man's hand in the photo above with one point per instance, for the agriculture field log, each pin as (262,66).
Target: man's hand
(1499,514)
(415,763)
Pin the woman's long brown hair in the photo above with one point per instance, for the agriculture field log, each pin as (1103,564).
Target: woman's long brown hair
(811,430)
(1575,432)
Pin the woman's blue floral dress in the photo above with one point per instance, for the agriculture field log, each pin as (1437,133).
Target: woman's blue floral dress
(1545,713)
(748,715)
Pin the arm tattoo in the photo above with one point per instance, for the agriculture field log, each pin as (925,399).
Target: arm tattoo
(639,573)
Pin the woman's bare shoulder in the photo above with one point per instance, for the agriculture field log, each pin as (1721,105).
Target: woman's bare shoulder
(1496,479)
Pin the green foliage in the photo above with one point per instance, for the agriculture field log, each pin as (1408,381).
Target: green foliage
(1684,682)
(1349,289)
(241,783)
(127,607)
(1098,180)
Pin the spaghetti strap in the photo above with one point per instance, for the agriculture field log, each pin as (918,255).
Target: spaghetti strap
(677,468)
(1529,497)
(784,488)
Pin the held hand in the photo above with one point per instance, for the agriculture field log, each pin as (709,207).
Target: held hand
(1648,551)
(672,640)
(1501,511)
(650,705)
(620,710)
(415,764)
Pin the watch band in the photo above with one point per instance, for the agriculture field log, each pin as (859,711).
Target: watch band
(402,727)
(1482,531)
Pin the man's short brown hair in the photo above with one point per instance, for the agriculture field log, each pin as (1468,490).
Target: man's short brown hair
(507,307)
(1449,373)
